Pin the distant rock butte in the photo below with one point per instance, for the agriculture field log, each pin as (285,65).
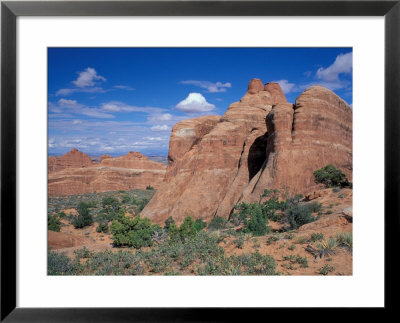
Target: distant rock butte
(260,142)
(105,156)
(134,160)
(72,159)
(132,171)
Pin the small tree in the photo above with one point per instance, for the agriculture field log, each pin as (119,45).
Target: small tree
(53,223)
(330,176)
(84,218)
(187,229)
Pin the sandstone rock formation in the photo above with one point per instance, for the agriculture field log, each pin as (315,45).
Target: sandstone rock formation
(72,159)
(133,171)
(260,142)
(208,172)
(314,132)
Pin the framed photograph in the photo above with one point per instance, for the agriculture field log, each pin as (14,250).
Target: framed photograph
(188,153)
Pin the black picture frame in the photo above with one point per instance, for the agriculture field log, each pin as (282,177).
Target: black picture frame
(10,10)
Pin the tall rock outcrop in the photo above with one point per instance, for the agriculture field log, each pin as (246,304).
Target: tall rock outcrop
(212,167)
(72,159)
(314,132)
(132,171)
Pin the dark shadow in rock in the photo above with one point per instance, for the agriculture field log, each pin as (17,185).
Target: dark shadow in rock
(257,155)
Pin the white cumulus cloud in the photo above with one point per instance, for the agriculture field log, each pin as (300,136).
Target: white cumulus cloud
(88,78)
(209,86)
(286,86)
(195,103)
(343,64)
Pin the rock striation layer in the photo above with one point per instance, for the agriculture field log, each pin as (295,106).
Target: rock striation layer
(132,171)
(260,142)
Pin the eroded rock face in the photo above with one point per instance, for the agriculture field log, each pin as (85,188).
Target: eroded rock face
(302,138)
(72,159)
(132,171)
(210,170)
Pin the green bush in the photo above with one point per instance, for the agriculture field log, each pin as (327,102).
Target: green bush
(257,224)
(102,227)
(187,229)
(53,222)
(217,223)
(109,201)
(199,225)
(140,203)
(252,216)
(315,207)
(84,217)
(345,239)
(326,269)
(168,222)
(299,215)
(132,232)
(330,176)
(317,237)
(239,242)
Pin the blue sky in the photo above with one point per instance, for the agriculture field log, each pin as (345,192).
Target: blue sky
(116,100)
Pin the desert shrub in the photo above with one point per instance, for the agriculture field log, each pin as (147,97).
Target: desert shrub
(326,269)
(315,207)
(302,261)
(327,245)
(239,242)
(298,215)
(217,223)
(113,263)
(187,229)
(82,253)
(84,218)
(132,232)
(62,215)
(150,188)
(253,217)
(255,264)
(330,176)
(199,225)
(316,237)
(109,201)
(272,204)
(140,203)
(60,264)
(102,227)
(345,239)
(168,222)
(257,224)
(53,222)
(125,199)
